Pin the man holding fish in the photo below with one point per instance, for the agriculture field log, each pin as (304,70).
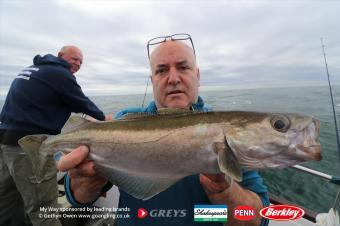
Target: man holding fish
(174,153)
(175,78)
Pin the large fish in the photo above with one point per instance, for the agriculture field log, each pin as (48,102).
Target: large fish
(144,155)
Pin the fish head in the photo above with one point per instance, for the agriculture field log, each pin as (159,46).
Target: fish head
(275,140)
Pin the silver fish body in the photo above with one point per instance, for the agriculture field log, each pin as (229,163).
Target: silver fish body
(145,155)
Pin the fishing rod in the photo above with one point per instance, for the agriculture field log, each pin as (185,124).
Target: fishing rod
(331,94)
(336,204)
(330,178)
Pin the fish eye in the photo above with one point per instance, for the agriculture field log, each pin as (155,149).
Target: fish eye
(280,123)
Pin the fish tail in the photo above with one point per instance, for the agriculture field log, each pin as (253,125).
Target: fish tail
(43,163)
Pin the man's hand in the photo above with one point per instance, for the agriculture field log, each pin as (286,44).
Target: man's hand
(108,117)
(222,191)
(86,184)
(215,186)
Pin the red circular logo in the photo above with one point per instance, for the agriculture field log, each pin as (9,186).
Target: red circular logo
(244,213)
(142,213)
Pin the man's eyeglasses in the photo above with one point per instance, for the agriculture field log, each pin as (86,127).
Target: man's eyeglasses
(174,37)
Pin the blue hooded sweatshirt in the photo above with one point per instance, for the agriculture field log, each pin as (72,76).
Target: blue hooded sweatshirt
(41,99)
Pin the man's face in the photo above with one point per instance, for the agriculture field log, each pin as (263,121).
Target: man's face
(175,76)
(74,57)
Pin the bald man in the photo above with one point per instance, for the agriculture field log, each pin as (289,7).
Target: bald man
(40,100)
(175,79)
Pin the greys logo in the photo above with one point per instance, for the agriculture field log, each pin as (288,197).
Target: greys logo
(167,213)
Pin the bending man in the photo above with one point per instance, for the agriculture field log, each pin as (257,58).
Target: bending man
(40,101)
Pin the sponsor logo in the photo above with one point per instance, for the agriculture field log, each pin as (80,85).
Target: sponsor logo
(168,213)
(161,213)
(204,213)
(142,213)
(282,212)
(244,213)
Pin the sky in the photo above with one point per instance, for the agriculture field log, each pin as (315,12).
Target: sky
(239,44)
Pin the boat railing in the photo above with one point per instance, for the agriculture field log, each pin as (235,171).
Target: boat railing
(311,215)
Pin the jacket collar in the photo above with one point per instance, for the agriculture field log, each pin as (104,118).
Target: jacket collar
(198,106)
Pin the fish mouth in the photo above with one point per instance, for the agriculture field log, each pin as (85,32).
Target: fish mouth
(311,145)
(313,151)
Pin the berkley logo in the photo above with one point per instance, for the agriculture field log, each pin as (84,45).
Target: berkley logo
(282,212)
(244,213)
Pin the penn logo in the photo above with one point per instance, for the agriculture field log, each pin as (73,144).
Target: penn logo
(142,213)
(282,212)
(244,213)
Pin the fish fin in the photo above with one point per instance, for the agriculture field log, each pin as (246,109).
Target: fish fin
(172,111)
(137,115)
(75,122)
(138,186)
(228,162)
(43,163)
(161,112)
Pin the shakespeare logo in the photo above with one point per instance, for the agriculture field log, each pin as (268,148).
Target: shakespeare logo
(215,213)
